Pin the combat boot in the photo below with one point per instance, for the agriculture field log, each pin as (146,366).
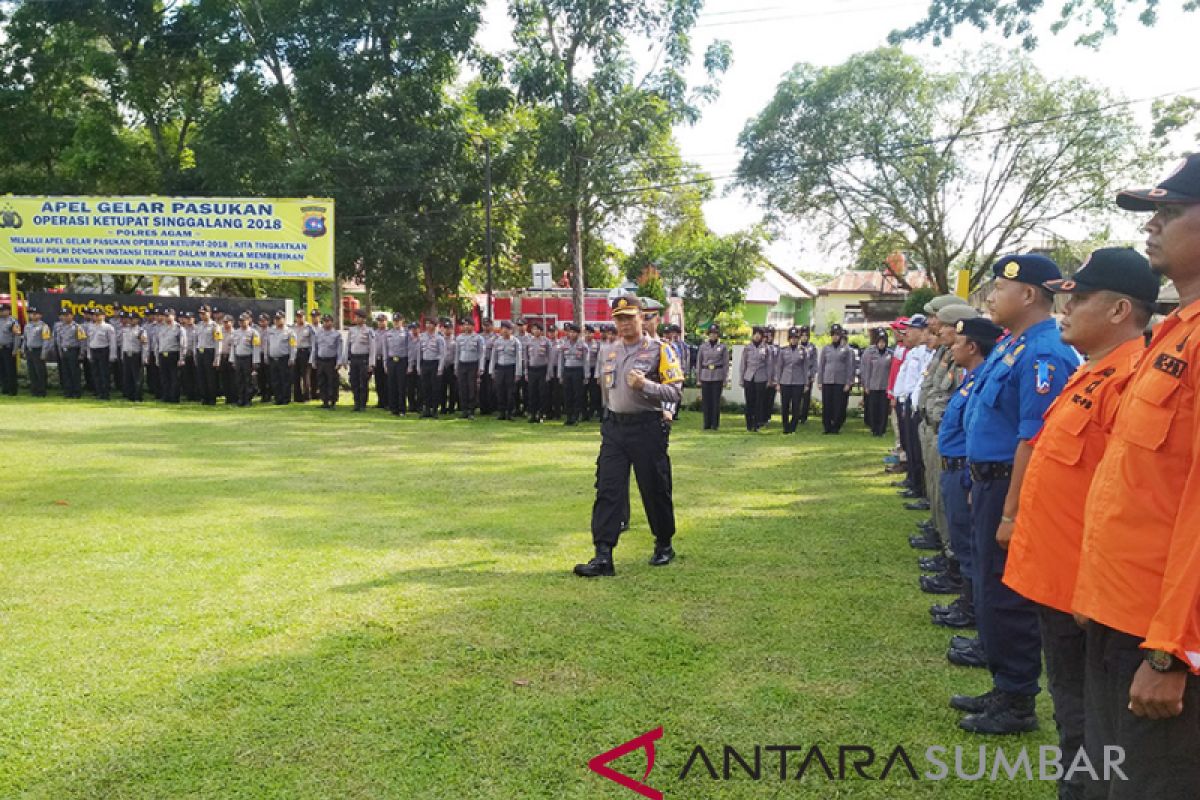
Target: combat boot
(601,564)
(1005,715)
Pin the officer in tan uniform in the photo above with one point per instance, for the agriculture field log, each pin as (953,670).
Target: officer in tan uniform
(639,377)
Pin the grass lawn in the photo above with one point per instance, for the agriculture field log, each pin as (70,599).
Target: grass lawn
(283,602)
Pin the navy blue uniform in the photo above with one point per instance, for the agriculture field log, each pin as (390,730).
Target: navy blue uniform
(1015,386)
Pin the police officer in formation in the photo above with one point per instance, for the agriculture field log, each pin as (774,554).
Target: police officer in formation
(755,369)
(360,350)
(69,340)
(246,347)
(504,365)
(875,369)
(328,354)
(102,346)
(836,369)
(279,345)
(712,373)
(573,361)
(795,370)
(432,350)
(469,350)
(10,342)
(538,360)
(302,389)
(36,346)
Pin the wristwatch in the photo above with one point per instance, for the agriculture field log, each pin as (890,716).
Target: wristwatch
(1162,661)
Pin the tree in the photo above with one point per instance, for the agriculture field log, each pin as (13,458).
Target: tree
(712,272)
(599,125)
(957,166)
(1099,18)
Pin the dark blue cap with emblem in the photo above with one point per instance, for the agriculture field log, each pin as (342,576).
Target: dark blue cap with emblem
(980,329)
(1181,187)
(1028,268)
(1114,269)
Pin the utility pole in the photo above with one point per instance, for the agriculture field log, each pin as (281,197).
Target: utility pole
(487,212)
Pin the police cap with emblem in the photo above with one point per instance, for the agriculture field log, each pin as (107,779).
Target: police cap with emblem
(793,332)
(326,317)
(397,316)
(714,328)
(980,329)
(281,315)
(626,305)
(650,304)
(836,330)
(361,313)
(506,324)
(570,326)
(1182,187)
(1113,269)
(1028,268)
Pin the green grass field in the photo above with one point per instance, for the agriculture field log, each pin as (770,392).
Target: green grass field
(291,603)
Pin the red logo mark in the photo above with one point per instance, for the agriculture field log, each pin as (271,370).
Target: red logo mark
(599,764)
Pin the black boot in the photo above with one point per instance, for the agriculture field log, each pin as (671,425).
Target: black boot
(1006,714)
(663,554)
(600,565)
(926,542)
(966,656)
(936,563)
(918,505)
(973,704)
(941,584)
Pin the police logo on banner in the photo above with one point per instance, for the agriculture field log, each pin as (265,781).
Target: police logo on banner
(314,221)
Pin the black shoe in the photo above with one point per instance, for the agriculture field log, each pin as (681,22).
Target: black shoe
(965,657)
(909,494)
(926,526)
(936,563)
(918,505)
(1005,715)
(899,484)
(964,642)
(941,584)
(662,556)
(624,526)
(956,619)
(925,542)
(973,704)
(959,604)
(600,566)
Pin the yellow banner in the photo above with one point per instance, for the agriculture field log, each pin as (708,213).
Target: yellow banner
(207,237)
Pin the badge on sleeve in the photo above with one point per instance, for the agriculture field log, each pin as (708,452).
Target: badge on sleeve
(1045,375)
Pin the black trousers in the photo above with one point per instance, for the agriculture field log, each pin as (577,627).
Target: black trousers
(413,387)
(1006,621)
(227,376)
(244,372)
(911,441)
(468,383)
(101,374)
(360,380)
(1064,645)
(381,384)
(431,385)
(206,376)
(281,380)
(264,379)
(1162,757)
(876,410)
(131,380)
(639,442)
(594,407)
(792,397)
(756,398)
(397,384)
(302,390)
(8,371)
(805,402)
(153,379)
(834,399)
(768,408)
(327,381)
(521,395)
(536,402)
(68,372)
(572,386)
(187,379)
(448,394)
(554,398)
(506,381)
(710,401)
(168,376)
(487,394)
(35,368)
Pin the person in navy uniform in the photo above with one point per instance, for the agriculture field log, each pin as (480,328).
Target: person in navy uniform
(639,378)
(1018,382)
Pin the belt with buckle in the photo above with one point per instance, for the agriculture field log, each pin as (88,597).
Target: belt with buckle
(991,471)
(950,464)
(634,419)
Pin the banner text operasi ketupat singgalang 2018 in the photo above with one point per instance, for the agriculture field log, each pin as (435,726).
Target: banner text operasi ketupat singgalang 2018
(187,236)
